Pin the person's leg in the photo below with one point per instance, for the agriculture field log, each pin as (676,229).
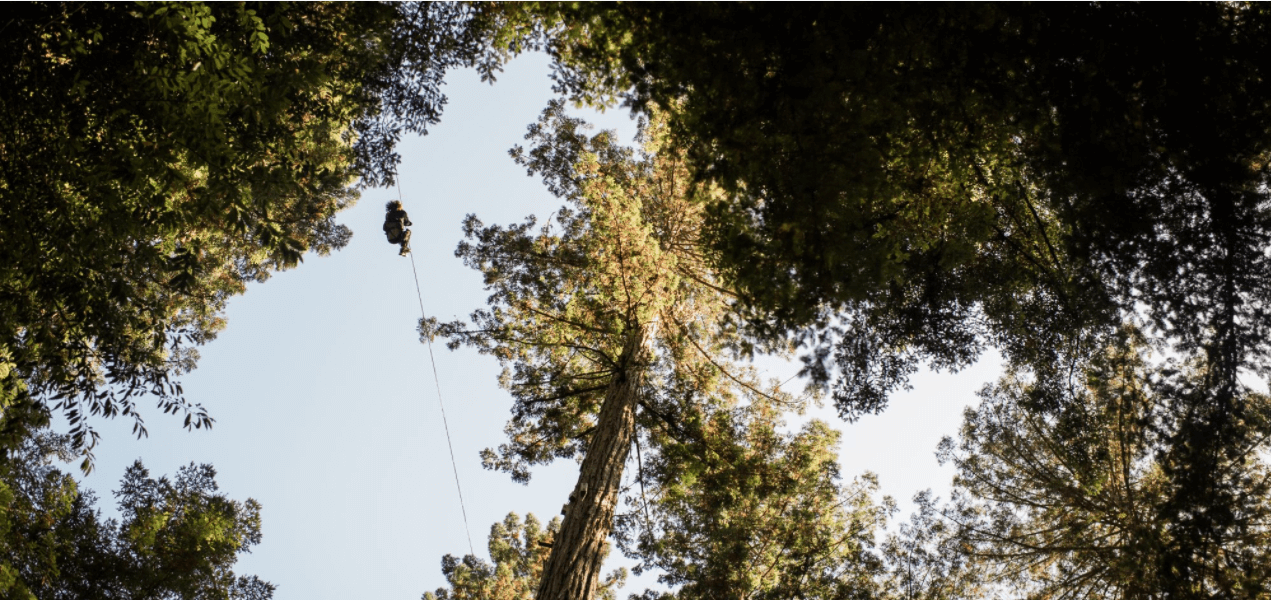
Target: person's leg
(405,242)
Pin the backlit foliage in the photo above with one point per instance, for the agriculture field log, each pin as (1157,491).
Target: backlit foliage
(1080,504)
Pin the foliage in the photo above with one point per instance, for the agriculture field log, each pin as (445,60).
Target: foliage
(926,559)
(568,298)
(175,538)
(929,180)
(412,45)
(871,155)
(733,506)
(1085,503)
(901,183)
(518,550)
(155,158)
(744,511)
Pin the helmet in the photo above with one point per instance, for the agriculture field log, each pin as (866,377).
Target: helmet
(393,205)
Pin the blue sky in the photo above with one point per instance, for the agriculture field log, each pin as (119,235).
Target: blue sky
(325,405)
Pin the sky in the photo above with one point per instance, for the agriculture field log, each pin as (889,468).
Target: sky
(326,408)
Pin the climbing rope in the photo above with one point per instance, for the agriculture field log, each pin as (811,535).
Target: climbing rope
(454,465)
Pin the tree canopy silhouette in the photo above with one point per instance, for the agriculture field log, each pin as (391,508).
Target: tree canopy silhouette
(914,182)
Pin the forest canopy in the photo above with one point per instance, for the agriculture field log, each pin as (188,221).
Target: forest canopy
(155,158)
(872,187)
(898,184)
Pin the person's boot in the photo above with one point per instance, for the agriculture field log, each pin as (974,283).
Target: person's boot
(405,250)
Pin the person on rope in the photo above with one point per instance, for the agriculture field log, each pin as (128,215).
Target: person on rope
(395,224)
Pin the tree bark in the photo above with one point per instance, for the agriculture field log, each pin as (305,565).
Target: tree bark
(573,569)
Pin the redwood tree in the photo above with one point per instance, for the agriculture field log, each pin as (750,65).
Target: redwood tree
(607,320)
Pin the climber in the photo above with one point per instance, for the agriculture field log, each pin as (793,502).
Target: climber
(395,224)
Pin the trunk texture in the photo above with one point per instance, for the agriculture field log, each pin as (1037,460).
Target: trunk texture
(573,569)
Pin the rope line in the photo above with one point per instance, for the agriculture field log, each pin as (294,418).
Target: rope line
(437,381)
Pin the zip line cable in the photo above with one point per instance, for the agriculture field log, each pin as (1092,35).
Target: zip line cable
(437,381)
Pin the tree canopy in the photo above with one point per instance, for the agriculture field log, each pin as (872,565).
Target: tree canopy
(614,332)
(741,510)
(929,180)
(905,183)
(605,319)
(878,185)
(879,204)
(155,158)
(175,538)
(1088,502)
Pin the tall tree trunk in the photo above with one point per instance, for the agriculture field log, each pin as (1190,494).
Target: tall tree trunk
(573,569)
